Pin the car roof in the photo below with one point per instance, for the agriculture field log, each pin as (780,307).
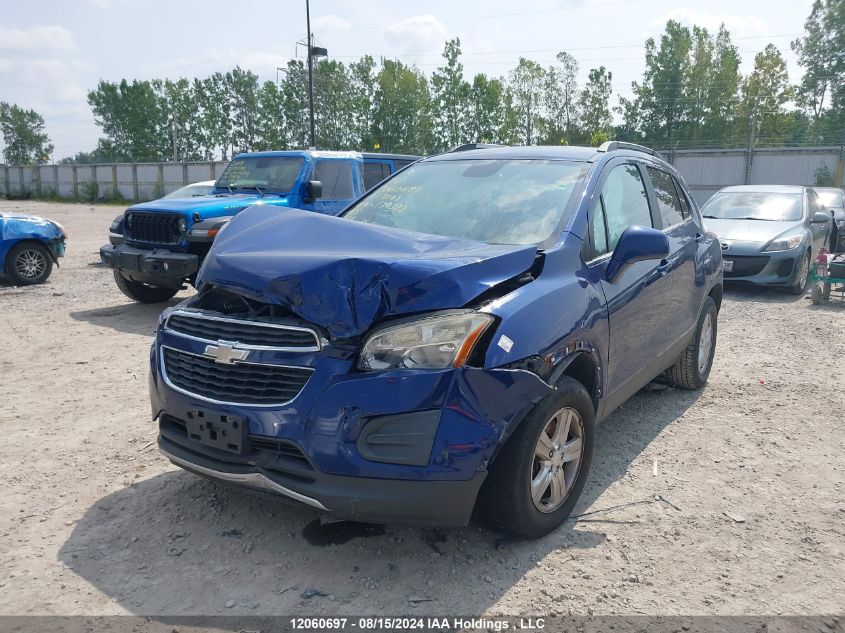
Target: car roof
(537,152)
(763,189)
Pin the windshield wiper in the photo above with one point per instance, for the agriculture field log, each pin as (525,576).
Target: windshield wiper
(710,216)
(258,189)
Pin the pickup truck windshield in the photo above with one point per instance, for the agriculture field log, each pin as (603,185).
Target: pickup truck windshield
(268,174)
(493,201)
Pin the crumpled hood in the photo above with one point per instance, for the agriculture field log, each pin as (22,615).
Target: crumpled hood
(749,230)
(345,275)
(206,206)
(18,226)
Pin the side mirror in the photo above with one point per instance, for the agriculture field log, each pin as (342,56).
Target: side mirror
(636,244)
(820,217)
(313,190)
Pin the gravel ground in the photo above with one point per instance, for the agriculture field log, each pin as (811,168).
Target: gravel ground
(94,521)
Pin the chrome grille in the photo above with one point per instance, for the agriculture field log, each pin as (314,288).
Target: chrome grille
(237,383)
(158,228)
(248,333)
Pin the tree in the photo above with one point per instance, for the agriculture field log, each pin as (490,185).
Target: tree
(362,92)
(560,100)
(526,85)
(821,60)
(402,109)
(594,104)
(764,93)
(489,112)
(269,119)
(334,119)
(295,104)
(659,107)
(450,99)
(135,124)
(23,135)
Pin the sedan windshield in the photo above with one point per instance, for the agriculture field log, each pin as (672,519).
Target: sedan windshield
(832,199)
(265,174)
(493,201)
(753,205)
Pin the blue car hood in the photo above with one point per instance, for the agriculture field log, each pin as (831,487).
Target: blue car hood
(212,204)
(346,275)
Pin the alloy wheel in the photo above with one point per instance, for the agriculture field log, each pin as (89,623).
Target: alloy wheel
(705,343)
(557,459)
(30,264)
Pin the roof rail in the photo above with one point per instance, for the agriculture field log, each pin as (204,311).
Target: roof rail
(468,146)
(612,146)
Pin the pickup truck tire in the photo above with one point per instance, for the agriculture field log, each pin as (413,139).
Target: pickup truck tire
(564,424)
(28,263)
(693,367)
(142,292)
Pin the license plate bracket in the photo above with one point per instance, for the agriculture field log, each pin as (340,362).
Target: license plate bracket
(729,265)
(221,431)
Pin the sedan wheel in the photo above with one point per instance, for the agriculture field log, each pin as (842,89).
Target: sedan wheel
(30,264)
(803,266)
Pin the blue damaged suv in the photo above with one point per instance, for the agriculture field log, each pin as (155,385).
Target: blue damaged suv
(448,343)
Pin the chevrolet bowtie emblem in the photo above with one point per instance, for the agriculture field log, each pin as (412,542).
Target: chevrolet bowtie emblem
(225,353)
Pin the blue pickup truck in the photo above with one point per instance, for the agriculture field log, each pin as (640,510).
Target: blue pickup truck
(156,247)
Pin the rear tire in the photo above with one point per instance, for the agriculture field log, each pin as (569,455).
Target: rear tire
(143,292)
(506,500)
(693,367)
(28,263)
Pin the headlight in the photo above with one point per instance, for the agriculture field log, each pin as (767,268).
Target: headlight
(784,243)
(128,220)
(432,342)
(182,225)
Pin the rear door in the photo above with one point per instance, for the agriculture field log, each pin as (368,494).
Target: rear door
(684,233)
(637,303)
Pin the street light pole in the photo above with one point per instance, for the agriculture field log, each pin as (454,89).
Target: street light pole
(310,73)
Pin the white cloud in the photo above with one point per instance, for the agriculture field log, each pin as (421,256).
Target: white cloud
(329,23)
(41,38)
(418,34)
(738,25)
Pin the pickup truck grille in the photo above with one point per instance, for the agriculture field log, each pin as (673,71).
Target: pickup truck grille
(237,383)
(156,228)
(245,332)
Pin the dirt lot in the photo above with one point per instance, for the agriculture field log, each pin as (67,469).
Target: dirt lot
(94,521)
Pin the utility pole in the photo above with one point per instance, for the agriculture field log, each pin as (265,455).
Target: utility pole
(752,139)
(175,139)
(310,74)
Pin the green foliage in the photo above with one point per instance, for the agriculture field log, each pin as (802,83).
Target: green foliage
(23,135)
(89,191)
(823,177)
(450,100)
(402,109)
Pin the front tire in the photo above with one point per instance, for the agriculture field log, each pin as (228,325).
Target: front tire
(799,287)
(693,367)
(28,263)
(537,478)
(143,292)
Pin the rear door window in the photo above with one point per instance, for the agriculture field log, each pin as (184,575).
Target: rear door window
(667,197)
(374,173)
(336,177)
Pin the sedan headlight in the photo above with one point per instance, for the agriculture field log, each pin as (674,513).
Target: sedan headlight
(432,342)
(784,243)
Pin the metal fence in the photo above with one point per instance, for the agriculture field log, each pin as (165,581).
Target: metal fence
(132,181)
(706,171)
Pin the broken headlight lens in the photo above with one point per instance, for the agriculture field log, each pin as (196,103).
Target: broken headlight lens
(432,342)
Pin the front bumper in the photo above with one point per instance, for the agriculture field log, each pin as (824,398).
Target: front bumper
(348,443)
(430,503)
(158,266)
(777,268)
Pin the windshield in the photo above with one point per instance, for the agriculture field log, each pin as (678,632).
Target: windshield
(753,205)
(271,174)
(493,201)
(831,199)
(191,191)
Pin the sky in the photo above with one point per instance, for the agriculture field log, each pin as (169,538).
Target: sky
(52,52)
